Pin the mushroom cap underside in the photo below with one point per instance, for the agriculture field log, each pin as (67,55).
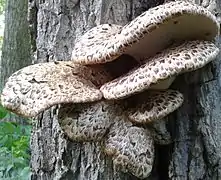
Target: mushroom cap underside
(172,22)
(152,31)
(37,87)
(173,61)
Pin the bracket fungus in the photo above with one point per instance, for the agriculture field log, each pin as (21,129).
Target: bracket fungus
(131,148)
(172,22)
(98,45)
(85,122)
(154,105)
(152,31)
(173,61)
(189,28)
(38,87)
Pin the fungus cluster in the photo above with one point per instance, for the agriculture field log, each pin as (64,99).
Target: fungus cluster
(165,41)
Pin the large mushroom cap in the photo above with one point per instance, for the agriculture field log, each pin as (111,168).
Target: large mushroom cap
(86,122)
(152,31)
(159,27)
(131,148)
(188,56)
(38,87)
(154,105)
(98,45)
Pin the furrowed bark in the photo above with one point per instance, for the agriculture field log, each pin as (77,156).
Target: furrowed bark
(16,52)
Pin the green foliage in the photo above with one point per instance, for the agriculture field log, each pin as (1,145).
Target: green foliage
(14,149)
(3,112)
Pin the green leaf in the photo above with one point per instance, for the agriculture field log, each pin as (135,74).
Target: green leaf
(14,151)
(4,141)
(3,112)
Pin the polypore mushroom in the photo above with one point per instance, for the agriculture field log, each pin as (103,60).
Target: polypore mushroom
(131,148)
(38,87)
(97,45)
(152,31)
(86,122)
(153,105)
(173,61)
(166,24)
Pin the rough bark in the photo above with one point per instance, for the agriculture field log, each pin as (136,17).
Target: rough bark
(16,45)
(195,128)
(196,152)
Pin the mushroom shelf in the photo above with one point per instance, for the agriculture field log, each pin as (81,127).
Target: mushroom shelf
(96,104)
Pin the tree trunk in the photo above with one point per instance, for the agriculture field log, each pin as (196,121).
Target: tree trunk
(195,128)
(16,52)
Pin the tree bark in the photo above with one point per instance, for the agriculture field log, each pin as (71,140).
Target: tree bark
(16,44)
(195,128)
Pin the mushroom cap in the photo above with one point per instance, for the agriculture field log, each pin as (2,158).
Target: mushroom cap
(152,31)
(154,105)
(173,61)
(131,148)
(86,122)
(98,45)
(161,26)
(38,87)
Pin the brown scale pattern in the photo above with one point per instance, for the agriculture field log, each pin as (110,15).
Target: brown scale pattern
(153,30)
(38,87)
(86,122)
(98,45)
(152,19)
(154,105)
(173,61)
(131,147)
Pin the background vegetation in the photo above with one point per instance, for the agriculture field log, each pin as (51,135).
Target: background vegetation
(14,149)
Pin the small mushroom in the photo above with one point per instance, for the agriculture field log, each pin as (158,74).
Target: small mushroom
(171,62)
(38,87)
(86,122)
(152,31)
(131,148)
(154,105)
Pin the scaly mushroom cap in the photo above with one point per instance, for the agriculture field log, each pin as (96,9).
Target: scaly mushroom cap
(98,45)
(86,122)
(154,105)
(173,61)
(38,87)
(159,27)
(152,31)
(131,148)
